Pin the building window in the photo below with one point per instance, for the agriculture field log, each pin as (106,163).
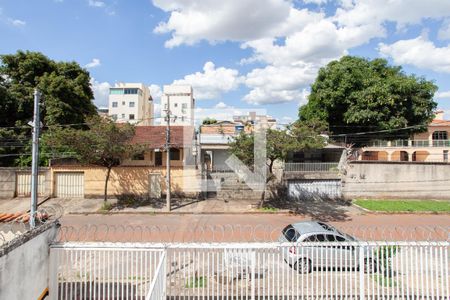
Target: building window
(440,135)
(131,91)
(123,116)
(123,102)
(138,156)
(114,91)
(175,105)
(114,117)
(445,155)
(174,154)
(114,104)
(131,104)
(184,105)
(131,117)
(182,118)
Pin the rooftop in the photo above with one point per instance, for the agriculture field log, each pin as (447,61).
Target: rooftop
(155,136)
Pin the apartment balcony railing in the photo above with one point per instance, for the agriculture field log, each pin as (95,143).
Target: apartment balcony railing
(311,167)
(409,143)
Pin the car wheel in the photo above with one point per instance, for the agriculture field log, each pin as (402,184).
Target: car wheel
(303,266)
(370,266)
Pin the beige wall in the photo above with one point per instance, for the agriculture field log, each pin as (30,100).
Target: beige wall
(130,179)
(397,180)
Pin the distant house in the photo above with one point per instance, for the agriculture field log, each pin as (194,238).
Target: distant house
(142,173)
(214,140)
(430,146)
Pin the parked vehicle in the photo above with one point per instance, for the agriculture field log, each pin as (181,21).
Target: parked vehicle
(333,254)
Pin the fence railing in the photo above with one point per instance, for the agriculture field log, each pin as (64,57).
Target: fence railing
(316,270)
(410,143)
(104,271)
(311,167)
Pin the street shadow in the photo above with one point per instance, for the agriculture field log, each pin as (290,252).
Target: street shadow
(317,206)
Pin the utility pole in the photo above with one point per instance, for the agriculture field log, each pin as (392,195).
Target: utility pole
(168,189)
(35,158)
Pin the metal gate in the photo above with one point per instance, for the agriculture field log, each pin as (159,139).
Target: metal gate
(69,184)
(107,271)
(299,189)
(23,186)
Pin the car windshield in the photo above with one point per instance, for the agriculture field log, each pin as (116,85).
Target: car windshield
(290,233)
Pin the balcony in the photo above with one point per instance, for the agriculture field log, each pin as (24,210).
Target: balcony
(409,143)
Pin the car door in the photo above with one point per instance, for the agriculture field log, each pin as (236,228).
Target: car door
(319,252)
(341,256)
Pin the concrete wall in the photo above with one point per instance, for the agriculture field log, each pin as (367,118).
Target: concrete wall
(397,180)
(8,178)
(134,179)
(24,264)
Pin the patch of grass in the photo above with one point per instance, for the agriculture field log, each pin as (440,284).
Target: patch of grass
(268,209)
(404,205)
(196,282)
(384,281)
(106,206)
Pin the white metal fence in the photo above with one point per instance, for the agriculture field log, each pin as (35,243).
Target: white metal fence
(338,270)
(311,167)
(105,271)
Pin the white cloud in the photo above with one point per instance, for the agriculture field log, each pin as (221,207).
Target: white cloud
(101,92)
(318,2)
(96,3)
(442,95)
(17,22)
(403,12)
(223,105)
(212,82)
(93,64)
(155,91)
(191,21)
(418,52)
(444,31)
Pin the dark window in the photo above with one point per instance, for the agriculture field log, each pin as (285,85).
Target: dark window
(440,135)
(290,233)
(131,91)
(316,238)
(445,153)
(138,156)
(131,104)
(174,154)
(131,117)
(114,104)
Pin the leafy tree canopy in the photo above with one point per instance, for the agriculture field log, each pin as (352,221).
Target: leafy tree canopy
(208,121)
(297,137)
(66,99)
(359,95)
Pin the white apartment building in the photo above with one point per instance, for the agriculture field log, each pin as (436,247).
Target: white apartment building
(131,102)
(182,104)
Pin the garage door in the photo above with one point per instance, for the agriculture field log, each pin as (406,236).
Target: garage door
(69,184)
(23,186)
(306,188)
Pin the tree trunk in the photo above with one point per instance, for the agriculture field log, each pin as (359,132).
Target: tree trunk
(271,166)
(108,172)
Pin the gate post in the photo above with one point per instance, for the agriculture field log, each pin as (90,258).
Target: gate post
(53,275)
(361,273)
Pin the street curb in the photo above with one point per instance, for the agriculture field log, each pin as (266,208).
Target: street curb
(183,213)
(380,212)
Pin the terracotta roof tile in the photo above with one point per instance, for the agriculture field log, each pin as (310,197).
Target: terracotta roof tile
(155,136)
(440,123)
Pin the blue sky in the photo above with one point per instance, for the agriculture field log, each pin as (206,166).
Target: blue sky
(260,54)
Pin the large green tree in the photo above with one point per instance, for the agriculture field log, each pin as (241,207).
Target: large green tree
(104,144)
(298,136)
(355,94)
(66,97)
